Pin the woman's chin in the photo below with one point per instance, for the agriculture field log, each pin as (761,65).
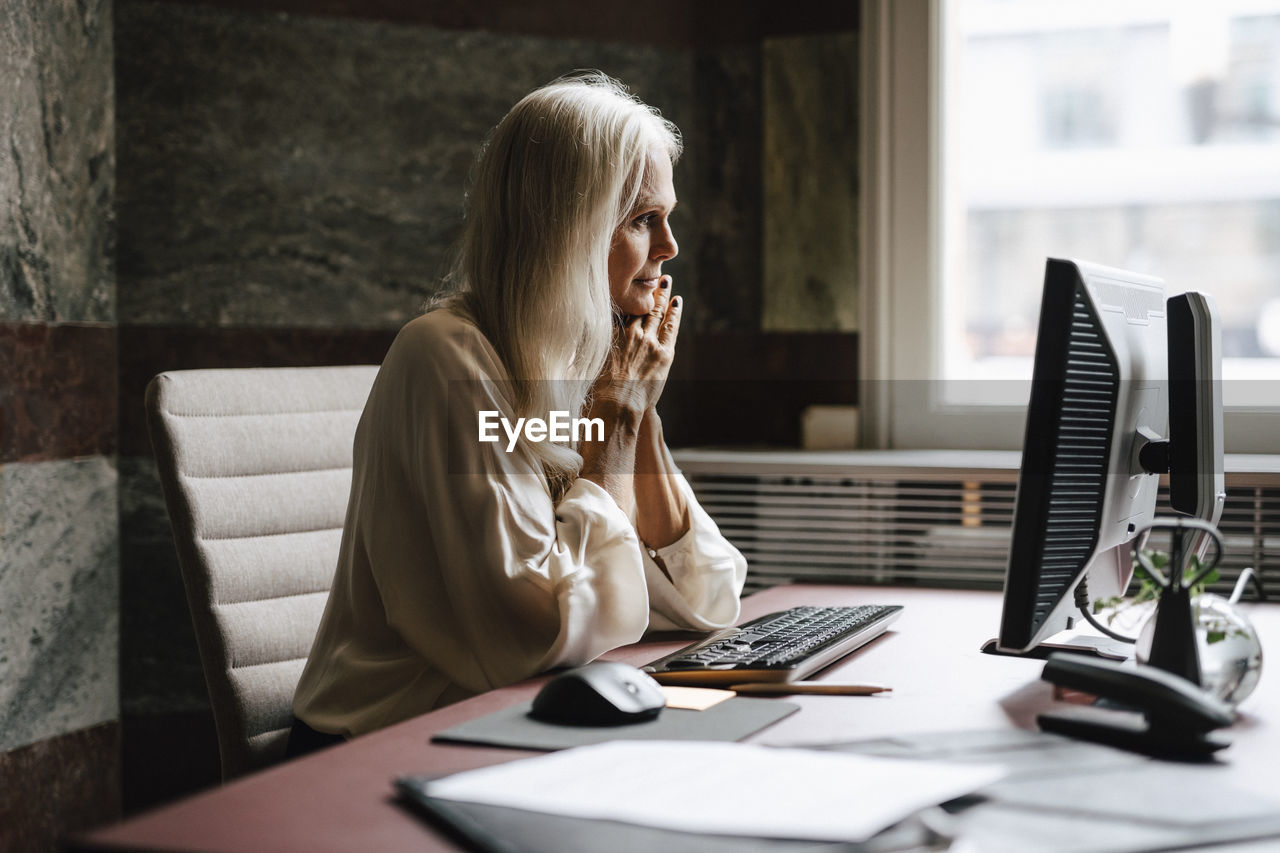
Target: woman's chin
(636,306)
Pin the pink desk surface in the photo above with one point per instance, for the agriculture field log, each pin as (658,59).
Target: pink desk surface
(342,799)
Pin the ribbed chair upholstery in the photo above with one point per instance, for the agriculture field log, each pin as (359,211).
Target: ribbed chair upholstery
(256,470)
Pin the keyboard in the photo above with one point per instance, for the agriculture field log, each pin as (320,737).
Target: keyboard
(784,646)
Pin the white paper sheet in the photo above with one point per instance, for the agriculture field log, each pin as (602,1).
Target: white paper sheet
(721,788)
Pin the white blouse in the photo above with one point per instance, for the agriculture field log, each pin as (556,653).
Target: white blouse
(458,574)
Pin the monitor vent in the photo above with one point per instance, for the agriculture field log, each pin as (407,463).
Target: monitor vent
(1078,477)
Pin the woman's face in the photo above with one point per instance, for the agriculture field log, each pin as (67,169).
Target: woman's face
(644,241)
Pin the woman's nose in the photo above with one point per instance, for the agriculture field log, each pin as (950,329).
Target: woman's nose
(664,247)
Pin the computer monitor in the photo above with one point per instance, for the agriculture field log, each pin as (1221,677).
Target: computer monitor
(1099,396)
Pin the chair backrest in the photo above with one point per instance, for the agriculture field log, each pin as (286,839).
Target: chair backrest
(256,470)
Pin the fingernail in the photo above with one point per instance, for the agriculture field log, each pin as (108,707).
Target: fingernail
(677,302)
(664,282)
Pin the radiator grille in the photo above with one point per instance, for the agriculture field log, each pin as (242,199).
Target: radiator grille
(903,518)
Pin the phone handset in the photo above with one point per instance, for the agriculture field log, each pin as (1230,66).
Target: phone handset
(1147,709)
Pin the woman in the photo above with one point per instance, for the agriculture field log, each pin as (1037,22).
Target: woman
(473,560)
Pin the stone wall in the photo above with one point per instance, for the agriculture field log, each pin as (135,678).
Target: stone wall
(59,575)
(810,183)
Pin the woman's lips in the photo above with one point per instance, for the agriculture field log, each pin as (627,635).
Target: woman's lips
(646,282)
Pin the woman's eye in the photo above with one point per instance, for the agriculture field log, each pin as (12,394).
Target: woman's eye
(642,221)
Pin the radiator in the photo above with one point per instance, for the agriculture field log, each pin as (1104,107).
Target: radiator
(928,518)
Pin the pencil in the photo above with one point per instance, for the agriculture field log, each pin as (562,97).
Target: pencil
(816,687)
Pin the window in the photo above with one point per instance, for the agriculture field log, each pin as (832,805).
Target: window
(1141,134)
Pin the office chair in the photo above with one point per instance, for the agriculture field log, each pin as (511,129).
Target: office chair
(256,469)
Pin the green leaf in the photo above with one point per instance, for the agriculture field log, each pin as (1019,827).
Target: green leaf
(1148,592)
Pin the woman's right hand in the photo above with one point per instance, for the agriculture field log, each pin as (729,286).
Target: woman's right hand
(644,346)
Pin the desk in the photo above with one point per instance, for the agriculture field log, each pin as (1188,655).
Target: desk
(342,799)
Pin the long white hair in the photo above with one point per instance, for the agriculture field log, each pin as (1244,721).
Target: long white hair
(554,181)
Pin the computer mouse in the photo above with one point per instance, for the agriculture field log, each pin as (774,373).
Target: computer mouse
(604,693)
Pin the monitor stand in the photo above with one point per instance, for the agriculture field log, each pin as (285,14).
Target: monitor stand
(1094,645)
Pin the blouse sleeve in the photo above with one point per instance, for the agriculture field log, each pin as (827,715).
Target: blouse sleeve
(511,583)
(707,574)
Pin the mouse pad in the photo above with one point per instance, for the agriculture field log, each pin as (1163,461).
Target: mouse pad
(733,719)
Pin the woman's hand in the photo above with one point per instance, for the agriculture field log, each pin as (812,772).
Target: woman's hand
(627,389)
(644,346)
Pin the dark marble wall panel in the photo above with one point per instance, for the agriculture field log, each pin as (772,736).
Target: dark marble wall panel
(309,172)
(57,787)
(59,582)
(57,391)
(811,183)
(56,169)
(670,23)
(724,142)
